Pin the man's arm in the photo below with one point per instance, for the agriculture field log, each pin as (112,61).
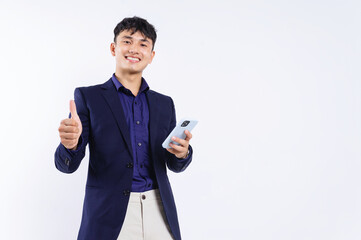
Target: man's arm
(74,134)
(179,157)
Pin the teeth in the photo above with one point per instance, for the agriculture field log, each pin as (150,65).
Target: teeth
(134,59)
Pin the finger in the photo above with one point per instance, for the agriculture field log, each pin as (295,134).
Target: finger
(74,113)
(188,135)
(180,141)
(69,122)
(177,148)
(68,129)
(171,150)
(68,136)
(69,143)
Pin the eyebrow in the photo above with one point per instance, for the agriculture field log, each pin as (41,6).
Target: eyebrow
(129,37)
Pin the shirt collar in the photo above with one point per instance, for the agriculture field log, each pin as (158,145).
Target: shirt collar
(143,87)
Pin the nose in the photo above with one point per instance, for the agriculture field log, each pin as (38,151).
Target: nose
(133,49)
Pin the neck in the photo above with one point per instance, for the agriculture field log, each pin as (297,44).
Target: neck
(130,81)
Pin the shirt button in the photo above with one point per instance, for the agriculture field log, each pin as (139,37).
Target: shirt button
(67,161)
(139,144)
(126,192)
(138,122)
(129,165)
(144,197)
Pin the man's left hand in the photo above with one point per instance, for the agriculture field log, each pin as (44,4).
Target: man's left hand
(180,151)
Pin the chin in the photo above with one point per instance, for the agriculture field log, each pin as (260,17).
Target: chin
(133,71)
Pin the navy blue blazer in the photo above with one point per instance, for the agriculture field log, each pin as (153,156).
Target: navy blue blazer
(110,171)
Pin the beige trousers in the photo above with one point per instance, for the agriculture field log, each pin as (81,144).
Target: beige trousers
(145,218)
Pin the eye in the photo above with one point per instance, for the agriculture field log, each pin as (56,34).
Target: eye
(126,41)
(143,45)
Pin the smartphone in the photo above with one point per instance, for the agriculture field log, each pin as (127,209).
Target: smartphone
(178,131)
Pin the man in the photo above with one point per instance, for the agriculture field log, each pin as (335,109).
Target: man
(128,195)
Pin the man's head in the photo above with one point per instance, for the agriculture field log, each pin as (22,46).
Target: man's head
(136,24)
(133,45)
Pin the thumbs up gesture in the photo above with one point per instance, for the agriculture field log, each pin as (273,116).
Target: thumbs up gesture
(70,129)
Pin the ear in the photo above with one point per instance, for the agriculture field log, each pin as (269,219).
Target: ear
(112,49)
(151,59)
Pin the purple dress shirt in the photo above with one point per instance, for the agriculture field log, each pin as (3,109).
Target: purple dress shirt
(136,112)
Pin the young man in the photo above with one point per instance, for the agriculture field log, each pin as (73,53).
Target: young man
(128,195)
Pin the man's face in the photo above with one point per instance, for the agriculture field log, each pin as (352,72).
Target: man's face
(132,53)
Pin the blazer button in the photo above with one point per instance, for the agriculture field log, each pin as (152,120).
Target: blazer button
(129,165)
(126,192)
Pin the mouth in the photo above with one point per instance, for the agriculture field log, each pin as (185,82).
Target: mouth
(132,59)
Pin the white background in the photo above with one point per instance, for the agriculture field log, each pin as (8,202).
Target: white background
(275,85)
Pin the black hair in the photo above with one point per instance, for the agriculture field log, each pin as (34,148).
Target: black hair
(136,24)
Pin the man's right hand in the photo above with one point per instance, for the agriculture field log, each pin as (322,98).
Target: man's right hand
(70,129)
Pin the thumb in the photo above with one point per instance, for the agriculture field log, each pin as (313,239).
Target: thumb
(74,114)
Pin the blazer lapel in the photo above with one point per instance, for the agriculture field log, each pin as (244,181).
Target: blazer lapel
(111,96)
(153,118)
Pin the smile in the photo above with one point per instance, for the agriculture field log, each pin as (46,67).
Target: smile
(133,59)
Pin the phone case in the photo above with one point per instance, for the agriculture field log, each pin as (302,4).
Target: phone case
(178,131)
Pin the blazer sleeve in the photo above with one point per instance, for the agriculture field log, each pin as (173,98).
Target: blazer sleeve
(177,164)
(68,161)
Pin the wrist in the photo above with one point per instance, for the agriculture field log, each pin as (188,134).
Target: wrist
(186,154)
